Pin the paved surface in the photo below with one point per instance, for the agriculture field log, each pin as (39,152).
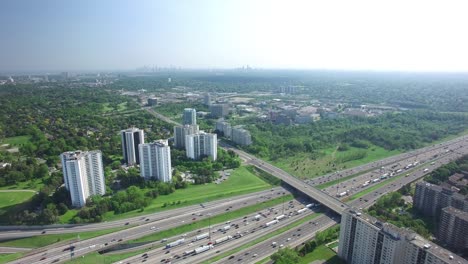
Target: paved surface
(8,250)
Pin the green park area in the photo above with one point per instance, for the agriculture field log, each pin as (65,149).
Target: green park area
(241,181)
(12,198)
(15,141)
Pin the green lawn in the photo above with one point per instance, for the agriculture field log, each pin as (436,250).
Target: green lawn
(96,258)
(35,184)
(304,167)
(15,141)
(4,258)
(321,253)
(241,181)
(120,107)
(8,198)
(45,240)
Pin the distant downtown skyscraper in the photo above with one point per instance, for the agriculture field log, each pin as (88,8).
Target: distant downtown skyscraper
(190,116)
(83,175)
(180,132)
(131,138)
(155,161)
(201,144)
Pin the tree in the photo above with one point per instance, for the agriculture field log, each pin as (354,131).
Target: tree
(285,256)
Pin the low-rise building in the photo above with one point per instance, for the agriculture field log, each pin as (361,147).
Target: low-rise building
(219,110)
(430,199)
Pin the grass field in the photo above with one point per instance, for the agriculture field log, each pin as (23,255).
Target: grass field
(96,258)
(45,240)
(321,253)
(9,198)
(35,185)
(4,258)
(241,181)
(304,167)
(15,141)
(120,107)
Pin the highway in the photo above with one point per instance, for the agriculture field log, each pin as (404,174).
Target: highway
(105,241)
(10,232)
(308,230)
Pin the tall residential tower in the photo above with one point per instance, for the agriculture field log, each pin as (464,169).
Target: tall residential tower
(131,138)
(201,144)
(83,175)
(190,116)
(155,161)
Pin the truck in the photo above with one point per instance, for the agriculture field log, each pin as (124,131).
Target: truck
(309,205)
(399,170)
(375,180)
(203,249)
(175,243)
(221,240)
(279,217)
(273,244)
(226,228)
(301,210)
(202,236)
(271,223)
(341,194)
(426,170)
(257,217)
(189,252)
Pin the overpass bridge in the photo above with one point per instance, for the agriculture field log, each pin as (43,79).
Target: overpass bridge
(331,202)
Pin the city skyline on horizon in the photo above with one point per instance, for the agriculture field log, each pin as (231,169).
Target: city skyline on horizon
(50,36)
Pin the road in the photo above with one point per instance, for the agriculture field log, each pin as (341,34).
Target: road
(28,231)
(98,243)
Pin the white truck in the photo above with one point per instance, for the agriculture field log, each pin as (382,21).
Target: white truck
(271,223)
(175,243)
(301,210)
(375,180)
(257,217)
(203,249)
(279,217)
(341,194)
(273,244)
(221,240)
(226,228)
(309,205)
(202,236)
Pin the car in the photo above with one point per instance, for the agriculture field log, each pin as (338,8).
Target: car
(127,223)
(43,232)
(167,252)
(105,244)
(246,253)
(43,258)
(231,257)
(147,219)
(120,240)
(193,219)
(217,251)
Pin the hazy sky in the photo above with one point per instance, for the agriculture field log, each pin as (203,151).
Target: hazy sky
(321,34)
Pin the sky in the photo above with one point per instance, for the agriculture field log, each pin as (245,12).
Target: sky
(397,35)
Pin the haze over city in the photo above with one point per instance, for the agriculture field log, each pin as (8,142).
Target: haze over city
(124,35)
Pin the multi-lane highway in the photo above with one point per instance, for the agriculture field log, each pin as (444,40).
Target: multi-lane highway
(105,241)
(10,232)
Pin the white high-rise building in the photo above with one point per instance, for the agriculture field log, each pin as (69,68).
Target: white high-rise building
(155,161)
(190,116)
(83,175)
(180,132)
(364,239)
(201,144)
(131,138)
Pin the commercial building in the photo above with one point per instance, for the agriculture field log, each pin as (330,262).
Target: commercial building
(430,199)
(219,110)
(83,175)
(241,136)
(453,229)
(131,138)
(190,116)
(180,132)
(364,239)
(152,101)
(155,161)
(201,145)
